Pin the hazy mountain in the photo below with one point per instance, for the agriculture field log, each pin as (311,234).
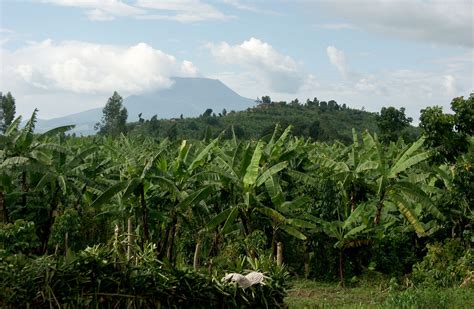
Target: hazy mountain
(188,96)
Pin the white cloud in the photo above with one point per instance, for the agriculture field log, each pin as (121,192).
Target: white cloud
(248,6)
(93,68)
(436,21)
(184,11)
(86,69)
(337,26)
(100,10)
(180,10)
(6,35)
(277,71)
(449,83)
(338,59)
(99,15)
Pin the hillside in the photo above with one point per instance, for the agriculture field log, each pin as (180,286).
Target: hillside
(320,123)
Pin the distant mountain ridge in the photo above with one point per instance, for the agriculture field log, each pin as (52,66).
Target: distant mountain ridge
(188,96)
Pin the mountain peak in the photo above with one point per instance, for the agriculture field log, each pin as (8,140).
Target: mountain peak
(189,96)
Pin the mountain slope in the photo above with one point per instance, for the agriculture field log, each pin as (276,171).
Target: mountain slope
(187,96)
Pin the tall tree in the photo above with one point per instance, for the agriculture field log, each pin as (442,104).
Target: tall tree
(446,133)
(391,123)
(114,117)
(266,100)
(7,110)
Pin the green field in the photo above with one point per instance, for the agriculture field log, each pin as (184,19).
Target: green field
(312,294)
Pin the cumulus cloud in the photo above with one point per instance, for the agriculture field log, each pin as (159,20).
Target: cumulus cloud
(80,67)
(449,83)
(177,10)
(279,72)
(435,21)
(338,59)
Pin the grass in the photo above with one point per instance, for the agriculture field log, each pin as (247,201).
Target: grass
(312,294)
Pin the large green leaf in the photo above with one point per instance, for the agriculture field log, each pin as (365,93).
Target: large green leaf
(355,231)
(230,220)
(419,196)
(218,219)
(407,159)
(274,190)
(293,232)
(300,223)
(109,193)
(297,203)
(200,158)
(13,127)
(195,197)
(366,166)
(271,213)
(56,131)
(270,172)
(402,166)
(251,173)
(62,184)
(408,213)
(14,162)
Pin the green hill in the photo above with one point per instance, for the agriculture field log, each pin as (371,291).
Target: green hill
(320,121)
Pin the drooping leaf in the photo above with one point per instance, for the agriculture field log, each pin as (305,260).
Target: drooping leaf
(218,219)
(109,193)
(293,232)
(56,131)
(271,213)
(408,213)
(270,172)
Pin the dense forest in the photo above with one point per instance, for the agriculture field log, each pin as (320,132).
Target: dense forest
(155,213)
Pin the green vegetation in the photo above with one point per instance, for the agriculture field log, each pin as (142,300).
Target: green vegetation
(311,294)
(114,117)
(322,122)
(7,110)
(136,220)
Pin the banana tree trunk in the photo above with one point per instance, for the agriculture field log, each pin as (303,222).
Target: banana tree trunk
(146,233)
(169,252)
(341,267)
(245,224)
(3,209)
(129,238)
(24,188)
(49,222)
(197,251)
(378,214)
(279,253)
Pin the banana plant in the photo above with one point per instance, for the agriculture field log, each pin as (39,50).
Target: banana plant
(390,177)
(62,180)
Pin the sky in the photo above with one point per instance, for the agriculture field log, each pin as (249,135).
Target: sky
(67,56)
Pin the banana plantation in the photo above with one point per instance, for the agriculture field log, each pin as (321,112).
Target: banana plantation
(135,221)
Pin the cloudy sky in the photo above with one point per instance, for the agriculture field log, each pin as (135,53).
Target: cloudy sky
(66,56)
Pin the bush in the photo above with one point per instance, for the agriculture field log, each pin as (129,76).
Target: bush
(18,237)
(445,265)
(97,276)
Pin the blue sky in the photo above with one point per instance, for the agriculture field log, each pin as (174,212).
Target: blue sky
(65,56)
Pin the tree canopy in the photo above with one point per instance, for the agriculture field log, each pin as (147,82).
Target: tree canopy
(7,110)
(114,117)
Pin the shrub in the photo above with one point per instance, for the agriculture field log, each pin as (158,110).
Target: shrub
(97,277)
(18,237)
(445,265)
